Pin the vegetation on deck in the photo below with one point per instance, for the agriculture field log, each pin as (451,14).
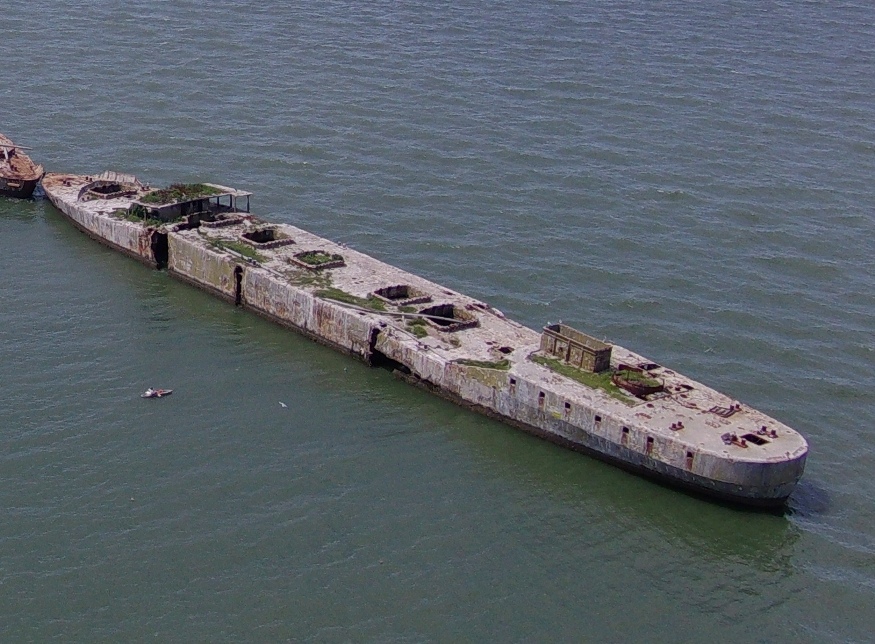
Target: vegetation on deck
(333,293)
(317,257)
(418,327)
(592,380)
(138,215)
(503,364)
(179,192)
(238,247)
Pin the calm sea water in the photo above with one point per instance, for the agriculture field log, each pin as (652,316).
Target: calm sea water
(690,180)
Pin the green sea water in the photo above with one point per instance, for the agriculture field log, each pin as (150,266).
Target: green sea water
(693,182)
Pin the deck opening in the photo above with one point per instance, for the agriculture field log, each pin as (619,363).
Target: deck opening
(160,249)
(756,440)
(238,285)
(315,260)
(402,295)
(649,447)
(262,236)
(449,317)
(598,418)
(208,219)
(267,238)
(106,188)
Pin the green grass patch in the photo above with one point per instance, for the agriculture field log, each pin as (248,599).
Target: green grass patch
(138,215)
(592,380)
(418,327)
(179,192)
(316,258)
(238,247)
(332,293)
(407,309)
(503,364)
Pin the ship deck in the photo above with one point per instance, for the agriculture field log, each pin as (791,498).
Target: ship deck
(686,412)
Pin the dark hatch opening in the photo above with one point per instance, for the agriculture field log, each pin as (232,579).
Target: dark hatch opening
(262,236)
(238,285)
(160,249)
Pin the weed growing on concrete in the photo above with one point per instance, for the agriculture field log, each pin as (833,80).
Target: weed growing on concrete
(138,215)
(238,247)
(418,327)
(333,293)
(179,192)
(593,380)
(316,257)
(503,364)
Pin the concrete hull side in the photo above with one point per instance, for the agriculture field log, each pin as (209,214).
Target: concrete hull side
(632,461)
(271,297)
(210,271)
(665,459)
(337,326)
(131,239)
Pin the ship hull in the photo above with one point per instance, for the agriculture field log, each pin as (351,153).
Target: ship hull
(142,257)
(767,497)
(125,237)
(521,397)
(19,175)
(18,188)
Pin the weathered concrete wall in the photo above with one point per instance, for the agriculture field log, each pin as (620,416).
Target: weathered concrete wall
(130,238)
(202,266)
(272,296)
(588,429)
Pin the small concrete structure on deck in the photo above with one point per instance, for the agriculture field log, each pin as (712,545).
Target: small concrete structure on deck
(556,384)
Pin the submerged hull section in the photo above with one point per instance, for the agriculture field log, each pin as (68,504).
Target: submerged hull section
(680,431)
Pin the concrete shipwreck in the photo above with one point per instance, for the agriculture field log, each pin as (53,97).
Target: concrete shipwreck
(559,384)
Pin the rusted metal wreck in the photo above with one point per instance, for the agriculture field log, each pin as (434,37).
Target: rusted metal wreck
(19,175)
(559,384)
